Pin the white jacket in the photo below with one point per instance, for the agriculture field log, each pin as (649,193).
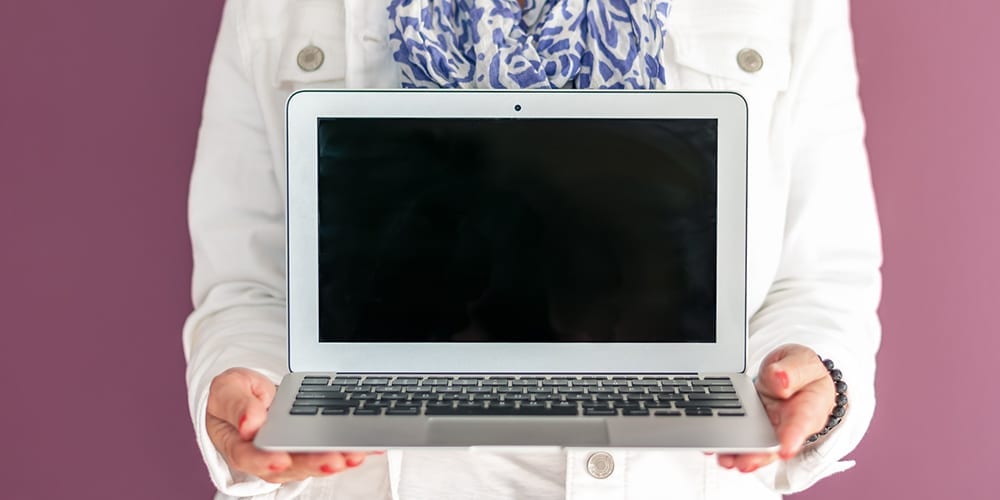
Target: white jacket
(813,235)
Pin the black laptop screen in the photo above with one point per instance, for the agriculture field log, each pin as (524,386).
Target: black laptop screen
(532,230)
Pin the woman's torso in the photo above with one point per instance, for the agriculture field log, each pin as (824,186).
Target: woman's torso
(705,38)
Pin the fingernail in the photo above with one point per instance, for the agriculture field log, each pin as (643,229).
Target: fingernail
(351,462)
(782,378)
(243,420)
(326,469)
(275,467)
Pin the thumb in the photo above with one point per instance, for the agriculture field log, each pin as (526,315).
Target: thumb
(241,397)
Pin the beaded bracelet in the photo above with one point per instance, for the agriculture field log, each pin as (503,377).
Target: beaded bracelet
(841,408)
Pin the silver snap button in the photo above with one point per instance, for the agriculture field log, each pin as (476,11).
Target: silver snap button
(600,464)
(750,60)
(310,58)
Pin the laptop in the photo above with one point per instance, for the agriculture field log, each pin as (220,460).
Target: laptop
(539,268)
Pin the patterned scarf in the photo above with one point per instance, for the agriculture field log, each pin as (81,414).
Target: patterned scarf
(607,44)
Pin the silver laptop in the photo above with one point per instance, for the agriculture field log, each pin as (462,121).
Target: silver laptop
(481,269)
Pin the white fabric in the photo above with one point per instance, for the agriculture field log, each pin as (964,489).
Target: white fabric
(814,237)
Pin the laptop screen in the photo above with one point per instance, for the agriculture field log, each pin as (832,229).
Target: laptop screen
(531,230)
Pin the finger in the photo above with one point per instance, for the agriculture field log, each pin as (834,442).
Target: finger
(242,455)
(804,414)
(241,397)
(749,462)
(319,464)
(727,461)
(796,367)
(354,459)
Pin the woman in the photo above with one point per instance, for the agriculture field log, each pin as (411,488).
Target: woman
(813,239)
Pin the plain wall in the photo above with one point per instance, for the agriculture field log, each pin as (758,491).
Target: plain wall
(99,108)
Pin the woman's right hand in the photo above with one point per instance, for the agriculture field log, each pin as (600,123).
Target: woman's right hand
(237,408)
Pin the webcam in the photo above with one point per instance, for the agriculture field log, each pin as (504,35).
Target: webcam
(517,107)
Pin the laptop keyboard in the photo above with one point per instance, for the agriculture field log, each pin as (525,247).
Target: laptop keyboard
(628,396)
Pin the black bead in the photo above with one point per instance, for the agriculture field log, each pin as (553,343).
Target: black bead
(832,422)
(841,399)
(813,438)
(828,364)
(836,375)
(823,432)
(841,387)
(838,411)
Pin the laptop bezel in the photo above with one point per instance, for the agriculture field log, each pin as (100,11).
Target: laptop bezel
(305,108)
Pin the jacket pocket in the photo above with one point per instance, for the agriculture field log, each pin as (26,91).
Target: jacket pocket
(312,49)
(740,45)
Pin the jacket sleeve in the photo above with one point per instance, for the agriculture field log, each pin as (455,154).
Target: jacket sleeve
(236,219)
(828,283)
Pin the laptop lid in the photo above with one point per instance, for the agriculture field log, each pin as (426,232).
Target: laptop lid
(523,232)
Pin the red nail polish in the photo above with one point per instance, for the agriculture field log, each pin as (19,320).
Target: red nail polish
(275,467)
(243,420)
(351,462)
(326,469)
(782,378)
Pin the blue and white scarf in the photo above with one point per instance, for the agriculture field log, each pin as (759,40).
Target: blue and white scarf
(616,44)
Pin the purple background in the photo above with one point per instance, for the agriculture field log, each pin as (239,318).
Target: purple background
(99,112)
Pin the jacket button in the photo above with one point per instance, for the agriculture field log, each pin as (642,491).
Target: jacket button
(600,464)
(310,58)
(750,60)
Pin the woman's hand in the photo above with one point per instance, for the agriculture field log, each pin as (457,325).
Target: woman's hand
(237,408)
(798,395)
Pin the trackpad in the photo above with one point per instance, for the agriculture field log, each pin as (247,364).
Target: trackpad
(517,431)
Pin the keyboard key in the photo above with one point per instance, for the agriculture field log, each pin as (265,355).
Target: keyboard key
(666,413)
(635,412)
(406,381)
(433,381)
(644,383)
(556,382)
(346,380)
(712,382)
(368,411)
(731,413)
(304,410)
(321,395)
(486,397)
(403,411)
(320,388)
(479,390)
(729,403)
(465,382)
(659,404)
(670,397)
(308,381)
(375,381)
(335,411)
(712,396)
(600,412)
(565,405)
(720,389)
(698,412)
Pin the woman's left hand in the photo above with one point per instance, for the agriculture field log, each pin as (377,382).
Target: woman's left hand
(798,394)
